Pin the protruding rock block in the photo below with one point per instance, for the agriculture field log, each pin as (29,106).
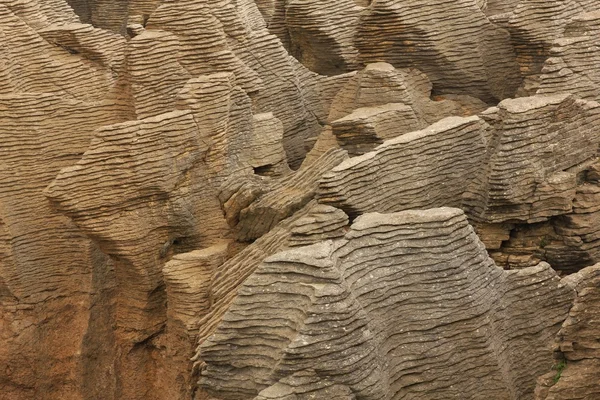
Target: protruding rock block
(395,309)
(267,156)
(437,166)
(187,279)
(365,128)
(539,146)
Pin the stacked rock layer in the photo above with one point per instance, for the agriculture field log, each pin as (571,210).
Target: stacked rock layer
(290,199)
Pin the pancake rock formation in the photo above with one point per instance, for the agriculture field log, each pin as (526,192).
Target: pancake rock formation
(395,309)
(297,199)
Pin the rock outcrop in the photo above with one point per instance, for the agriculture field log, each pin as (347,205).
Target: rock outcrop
(577,364)
(269,180)
(405,305)
(460,50)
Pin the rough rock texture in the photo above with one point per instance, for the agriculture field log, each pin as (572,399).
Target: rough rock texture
(572,67)
(154,155)
(534,26)
(577,368)
(318,34)
(453,42)
(396,309)
(433,167)
(539,145)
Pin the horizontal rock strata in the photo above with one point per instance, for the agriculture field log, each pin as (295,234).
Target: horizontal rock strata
(460,50)
(360,313)
(577,366)
(423,169)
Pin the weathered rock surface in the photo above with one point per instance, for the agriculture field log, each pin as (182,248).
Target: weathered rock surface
(433,167)
(538,147)
(577,368)
(175,173)
(395,309)
(454,43)
(572,67)
(534,26)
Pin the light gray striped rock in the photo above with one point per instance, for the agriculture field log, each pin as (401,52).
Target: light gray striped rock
(407,305)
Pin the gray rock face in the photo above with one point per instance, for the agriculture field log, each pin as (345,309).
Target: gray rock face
(406,305)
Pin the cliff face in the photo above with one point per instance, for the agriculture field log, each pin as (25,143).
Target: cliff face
(243,199)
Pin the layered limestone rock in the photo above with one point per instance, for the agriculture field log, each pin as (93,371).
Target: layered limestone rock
(534,25)
(577,364)
(434,167)
(572,67)
(381,102)
(57,85)
(529,160)
(539,146)
(175,173)
(318,34)
(540,186)
(130,141)
(454,43)
(395,309)
(255,210)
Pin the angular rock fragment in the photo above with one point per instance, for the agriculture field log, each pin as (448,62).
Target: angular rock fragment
(437,166)
(365,128)
(380,83)
(395,309)
(266,147)
(539,146)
